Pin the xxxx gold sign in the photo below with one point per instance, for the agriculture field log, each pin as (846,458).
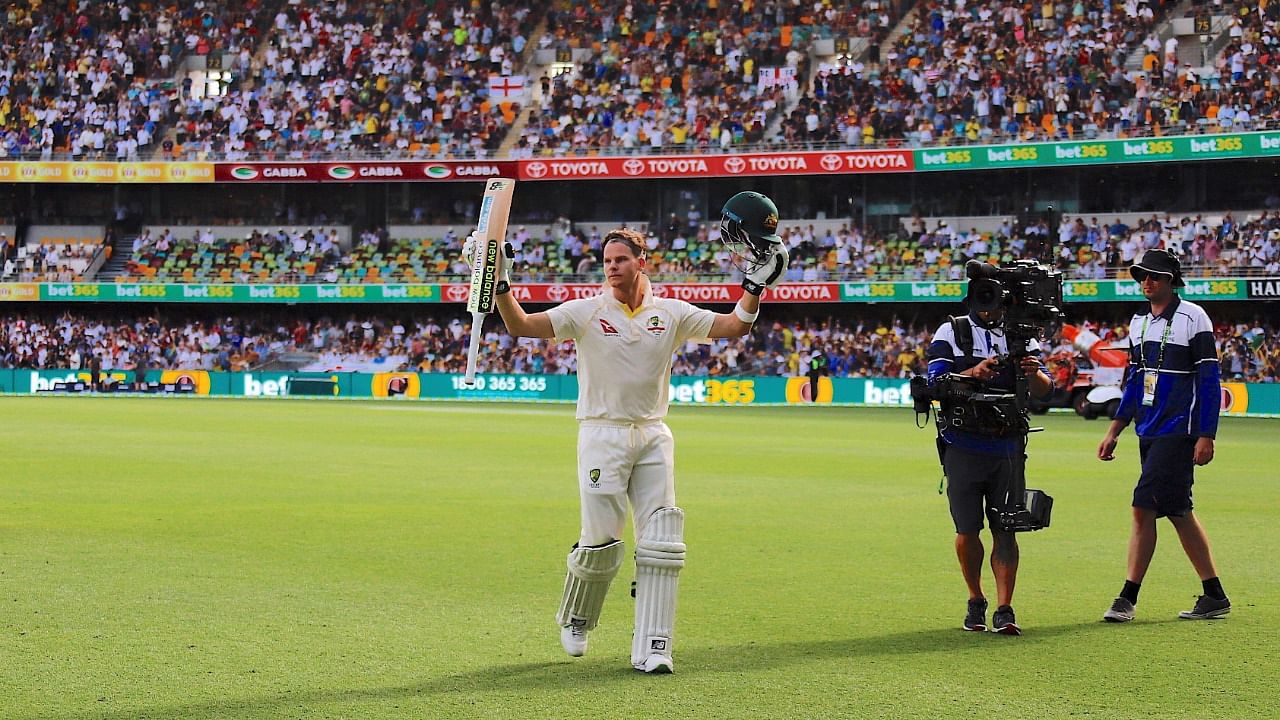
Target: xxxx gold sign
(396,384)
(106,172)
(19,292)
(199,378)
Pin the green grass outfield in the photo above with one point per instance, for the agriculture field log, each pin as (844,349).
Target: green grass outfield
(272,559)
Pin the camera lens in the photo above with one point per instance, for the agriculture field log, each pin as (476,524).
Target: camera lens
(985,295)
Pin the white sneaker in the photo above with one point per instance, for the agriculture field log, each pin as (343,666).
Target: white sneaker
(658,665)
(574,640)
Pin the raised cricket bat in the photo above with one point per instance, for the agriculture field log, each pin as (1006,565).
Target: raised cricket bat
(486,267)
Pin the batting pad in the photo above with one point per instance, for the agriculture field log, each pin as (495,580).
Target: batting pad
(591,569)
(659,558)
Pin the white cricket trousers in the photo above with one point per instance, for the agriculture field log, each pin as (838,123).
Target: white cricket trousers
(621,462)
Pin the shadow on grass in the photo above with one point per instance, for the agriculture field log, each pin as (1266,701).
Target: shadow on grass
(611,669)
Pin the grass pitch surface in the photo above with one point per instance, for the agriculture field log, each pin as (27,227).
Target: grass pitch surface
(257,559)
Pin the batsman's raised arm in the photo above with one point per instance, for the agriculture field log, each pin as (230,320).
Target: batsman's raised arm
(520,323)
(748,227)
(766,273)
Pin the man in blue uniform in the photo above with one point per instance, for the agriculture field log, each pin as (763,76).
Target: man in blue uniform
(1172,390)
(979,468)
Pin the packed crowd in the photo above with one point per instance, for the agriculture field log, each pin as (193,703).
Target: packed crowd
(94,80)
(1090,249)
(1221,248)
(869,347)
(683,77)
(367,77)
(988,72)
(100,80)
(976,71)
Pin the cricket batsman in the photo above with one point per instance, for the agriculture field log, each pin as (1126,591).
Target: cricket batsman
(625,339)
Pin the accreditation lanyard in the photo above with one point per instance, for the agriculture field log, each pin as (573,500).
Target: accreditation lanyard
(1149,378)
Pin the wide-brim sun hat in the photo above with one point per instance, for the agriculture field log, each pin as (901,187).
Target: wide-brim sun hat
(1158,262)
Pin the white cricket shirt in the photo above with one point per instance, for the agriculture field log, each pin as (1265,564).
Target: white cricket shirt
(624,357)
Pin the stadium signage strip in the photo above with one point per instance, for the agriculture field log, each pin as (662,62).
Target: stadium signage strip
(842,162)
(1100,152)
(218,293)
(1236,398)
(106,172)
(690,292)
(362,171)
(818,292)
(1263,288)
(1178,148)
(1073,290)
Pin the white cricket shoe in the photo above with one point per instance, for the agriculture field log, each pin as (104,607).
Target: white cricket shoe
(658,665)
(574,640)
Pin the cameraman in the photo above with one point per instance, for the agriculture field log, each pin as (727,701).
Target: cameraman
(979,468)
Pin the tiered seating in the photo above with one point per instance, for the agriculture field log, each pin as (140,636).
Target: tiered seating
(1085,248)
(257,259)
(54,260)
(404,261)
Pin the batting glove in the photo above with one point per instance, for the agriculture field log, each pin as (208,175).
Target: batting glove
(769,273)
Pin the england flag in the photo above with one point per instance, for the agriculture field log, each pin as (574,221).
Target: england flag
(507,87)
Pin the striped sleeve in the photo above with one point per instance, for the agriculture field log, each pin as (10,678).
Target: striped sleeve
(1131,386)
(1204,353)
(942,351)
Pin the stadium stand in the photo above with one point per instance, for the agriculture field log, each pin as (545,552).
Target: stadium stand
(998,72)
(367,78)
(364,78)
(97,80)
(1088,247)
(855,348)
(291,255)
(52,253)
(684,78)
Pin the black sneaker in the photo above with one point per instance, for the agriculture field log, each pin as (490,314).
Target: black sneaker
(1004,623)
(1207,608)
(1121,611)
(976,619)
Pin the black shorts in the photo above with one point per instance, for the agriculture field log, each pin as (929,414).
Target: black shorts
(1167,467)
(975,484)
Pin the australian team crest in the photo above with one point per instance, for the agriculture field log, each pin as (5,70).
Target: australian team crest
(654,326)
(771,222)
(595,477)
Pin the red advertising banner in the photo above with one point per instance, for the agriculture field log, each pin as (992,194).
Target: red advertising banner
(697,293)
(363,171)
(593,168)
(744,165)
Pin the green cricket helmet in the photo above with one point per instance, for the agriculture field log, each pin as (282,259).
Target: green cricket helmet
(749,229)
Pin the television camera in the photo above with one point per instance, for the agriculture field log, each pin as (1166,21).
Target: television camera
(1030,296)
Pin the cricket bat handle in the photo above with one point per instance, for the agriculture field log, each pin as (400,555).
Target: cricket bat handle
(473,350)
